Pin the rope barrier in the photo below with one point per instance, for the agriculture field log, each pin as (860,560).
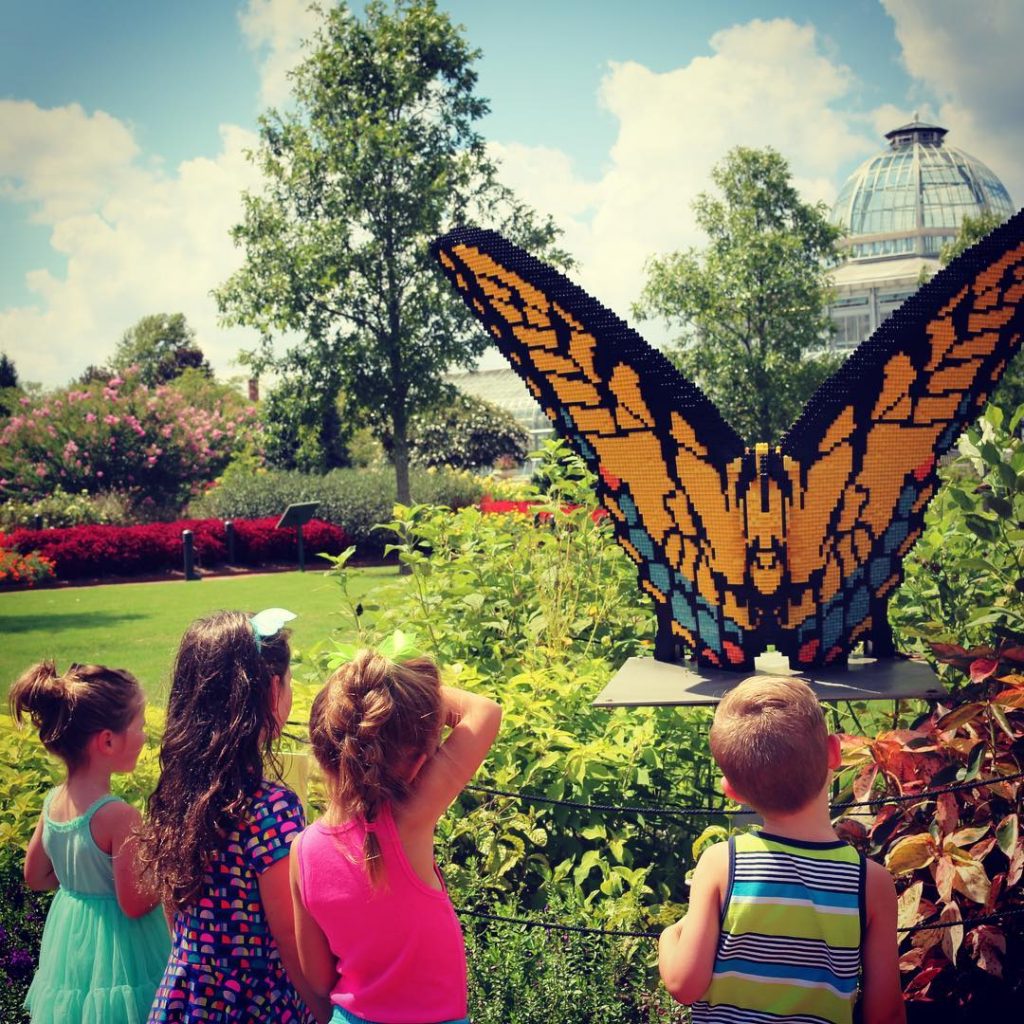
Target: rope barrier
(693,810)
(557,926)
(608,808)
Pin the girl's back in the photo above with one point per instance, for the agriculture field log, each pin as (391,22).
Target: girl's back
(97,965)
(401,922)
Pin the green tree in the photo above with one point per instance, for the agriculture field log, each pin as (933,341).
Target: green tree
(10,389)
(1009,393)
(753,305)
(162,346)
(377,156)
(8,372)
(466,433)
(303,426)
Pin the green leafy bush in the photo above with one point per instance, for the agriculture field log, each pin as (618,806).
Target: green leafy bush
(358,500)
(59,508)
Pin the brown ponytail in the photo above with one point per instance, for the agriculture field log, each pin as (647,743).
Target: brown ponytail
(69,709)
(369,724)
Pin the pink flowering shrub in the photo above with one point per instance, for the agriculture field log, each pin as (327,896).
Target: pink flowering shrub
(79,552)
(149,443)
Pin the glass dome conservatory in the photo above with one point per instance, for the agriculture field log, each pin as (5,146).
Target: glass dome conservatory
(911,199)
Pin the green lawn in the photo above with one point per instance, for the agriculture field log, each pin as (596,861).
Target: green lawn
(137,626)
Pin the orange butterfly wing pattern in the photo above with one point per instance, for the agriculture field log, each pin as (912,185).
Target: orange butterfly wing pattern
(797,547)
(863,455)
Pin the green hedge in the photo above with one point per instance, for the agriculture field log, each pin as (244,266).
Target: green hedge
(355,499)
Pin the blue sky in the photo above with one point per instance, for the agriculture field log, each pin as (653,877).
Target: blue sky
(123,126)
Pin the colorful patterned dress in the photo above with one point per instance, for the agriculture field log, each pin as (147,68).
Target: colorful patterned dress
(225,965)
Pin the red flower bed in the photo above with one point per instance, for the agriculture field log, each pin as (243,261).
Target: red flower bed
(86,551)
(489,505)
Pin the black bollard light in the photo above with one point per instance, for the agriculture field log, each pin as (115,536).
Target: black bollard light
(229,536)
(189,549)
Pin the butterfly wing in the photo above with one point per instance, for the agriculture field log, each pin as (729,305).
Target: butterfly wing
(863,454)
(660,449)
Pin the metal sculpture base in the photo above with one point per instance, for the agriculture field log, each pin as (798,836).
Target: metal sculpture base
(644,682)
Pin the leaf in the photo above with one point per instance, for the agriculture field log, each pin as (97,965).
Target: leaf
(1011,698)
(953,936)
(1007,833)
(982,668)
(959,716)
(944,873)
(947,813)
(908,905)
(987,944)
(971,880)
(911,853)
(967,836)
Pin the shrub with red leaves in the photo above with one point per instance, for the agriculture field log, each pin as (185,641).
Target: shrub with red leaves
(79,552)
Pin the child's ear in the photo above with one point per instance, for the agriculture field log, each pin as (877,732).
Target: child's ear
(730,791)
(104,741)
(835,752)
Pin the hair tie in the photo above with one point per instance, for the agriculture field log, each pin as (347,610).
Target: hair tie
(268,623)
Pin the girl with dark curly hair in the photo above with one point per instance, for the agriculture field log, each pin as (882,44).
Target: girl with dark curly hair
(217,829)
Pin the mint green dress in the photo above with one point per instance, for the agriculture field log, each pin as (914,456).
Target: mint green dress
(96,966)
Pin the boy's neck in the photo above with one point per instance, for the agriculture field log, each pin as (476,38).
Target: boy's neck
(810,824)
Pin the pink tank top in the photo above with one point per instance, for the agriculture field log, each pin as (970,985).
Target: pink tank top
(401,957)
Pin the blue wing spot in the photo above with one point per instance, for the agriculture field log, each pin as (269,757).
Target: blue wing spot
(683,613)
(708,630)
(947,438)
(907,498)
(832,627)
(879,571)
(628,509)
(965,404)
(642,542)
(894,536)
(585,450)
(860,605)
(660,577)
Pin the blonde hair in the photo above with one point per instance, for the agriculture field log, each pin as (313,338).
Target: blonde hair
(368,726)
(69,709)
(770,740)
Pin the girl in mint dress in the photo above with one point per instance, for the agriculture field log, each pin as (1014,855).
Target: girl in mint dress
(105,942)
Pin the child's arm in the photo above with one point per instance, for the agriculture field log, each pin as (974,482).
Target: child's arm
(882,998)
(39,873)
(319,964)
(114,827)
(275,893)
(474,723)
(686,950)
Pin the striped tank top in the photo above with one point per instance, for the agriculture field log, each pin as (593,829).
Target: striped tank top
(791,931)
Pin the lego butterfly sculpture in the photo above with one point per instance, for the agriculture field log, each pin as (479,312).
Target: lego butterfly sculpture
(798,546)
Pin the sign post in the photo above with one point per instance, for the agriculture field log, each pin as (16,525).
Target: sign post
(298,515)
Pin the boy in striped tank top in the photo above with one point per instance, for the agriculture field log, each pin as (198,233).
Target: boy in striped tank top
(784,924)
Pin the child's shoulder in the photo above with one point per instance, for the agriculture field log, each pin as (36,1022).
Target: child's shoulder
(273,798)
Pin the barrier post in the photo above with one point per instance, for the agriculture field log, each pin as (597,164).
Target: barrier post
(189,551)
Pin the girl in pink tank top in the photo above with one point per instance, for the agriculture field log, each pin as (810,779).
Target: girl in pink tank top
(375,928)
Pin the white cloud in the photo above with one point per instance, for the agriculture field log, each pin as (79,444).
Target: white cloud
(275,31)
(968,56)
(62,161)
(136,240)
(766,83)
